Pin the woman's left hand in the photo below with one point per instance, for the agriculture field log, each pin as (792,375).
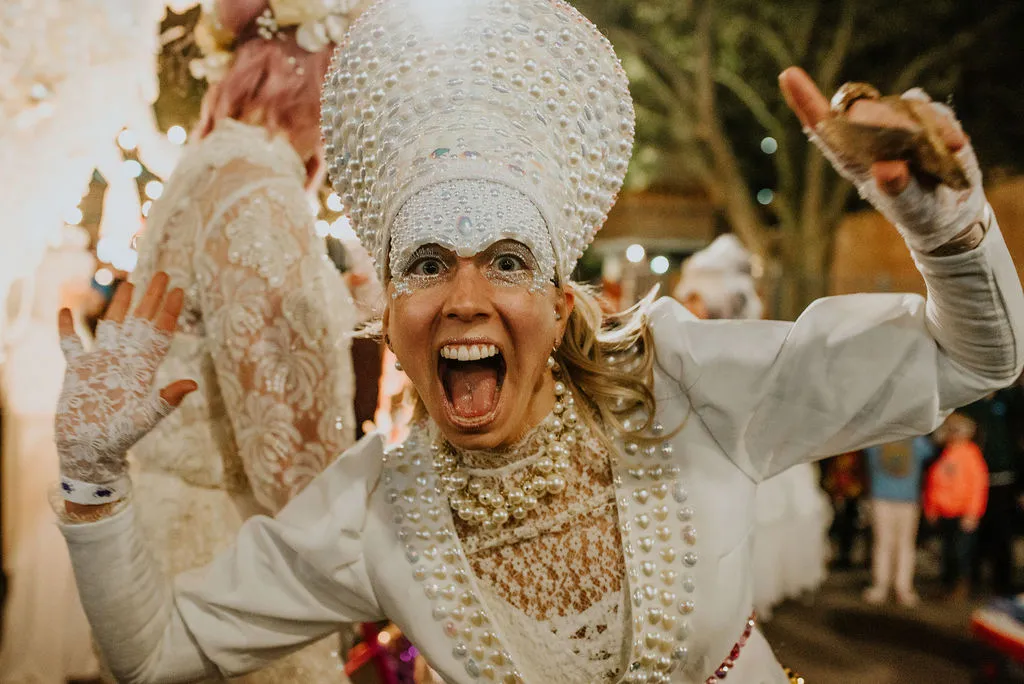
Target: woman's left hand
(928,215)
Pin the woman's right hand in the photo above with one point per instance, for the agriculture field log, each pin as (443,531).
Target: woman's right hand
(929,215)
(108,401)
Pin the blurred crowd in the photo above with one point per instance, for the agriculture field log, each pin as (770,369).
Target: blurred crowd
(954,496)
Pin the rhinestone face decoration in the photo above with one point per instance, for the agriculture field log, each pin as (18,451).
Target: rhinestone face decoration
(527,95)
(467,217)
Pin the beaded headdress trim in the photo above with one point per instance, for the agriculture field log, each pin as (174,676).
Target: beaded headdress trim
(525,95)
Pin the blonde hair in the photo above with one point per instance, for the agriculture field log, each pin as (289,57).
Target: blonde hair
(609,361)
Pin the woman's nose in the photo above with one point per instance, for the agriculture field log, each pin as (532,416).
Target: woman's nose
(468,298)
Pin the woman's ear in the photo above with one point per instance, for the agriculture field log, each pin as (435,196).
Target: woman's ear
(316,170)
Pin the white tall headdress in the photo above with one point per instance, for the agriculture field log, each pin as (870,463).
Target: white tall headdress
(462,122)
(721,274)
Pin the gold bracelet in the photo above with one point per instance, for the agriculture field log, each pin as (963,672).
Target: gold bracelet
(964,242)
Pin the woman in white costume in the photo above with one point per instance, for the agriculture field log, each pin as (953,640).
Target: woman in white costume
(571,505)
(792,514)
(46,639)
(267,319)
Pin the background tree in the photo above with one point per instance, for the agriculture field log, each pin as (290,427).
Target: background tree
(704,80)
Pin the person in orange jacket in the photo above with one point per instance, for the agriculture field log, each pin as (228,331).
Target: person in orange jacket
(955,497)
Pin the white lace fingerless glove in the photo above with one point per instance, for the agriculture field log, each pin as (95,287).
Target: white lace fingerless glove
(107,404)
(926,218)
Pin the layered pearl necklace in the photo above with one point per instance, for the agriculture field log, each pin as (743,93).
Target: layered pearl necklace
(491,507)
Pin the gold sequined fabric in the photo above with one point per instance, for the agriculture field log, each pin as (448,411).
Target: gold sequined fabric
(555,578)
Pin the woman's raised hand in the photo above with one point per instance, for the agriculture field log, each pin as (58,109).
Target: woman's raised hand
(929,214)
(108,401)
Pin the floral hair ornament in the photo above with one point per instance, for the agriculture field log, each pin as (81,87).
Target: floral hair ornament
(464,122)
(317,23)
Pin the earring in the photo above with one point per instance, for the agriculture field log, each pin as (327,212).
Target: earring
(558,315)
(398,366)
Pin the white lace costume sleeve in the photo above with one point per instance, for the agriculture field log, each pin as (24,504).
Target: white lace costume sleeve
(852,370)
(265,327)
(263,296)
(285,583)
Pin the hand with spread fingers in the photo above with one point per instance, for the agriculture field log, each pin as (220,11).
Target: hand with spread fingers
(906,155)
(108,401)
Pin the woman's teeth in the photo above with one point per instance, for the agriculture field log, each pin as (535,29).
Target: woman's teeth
(471,352)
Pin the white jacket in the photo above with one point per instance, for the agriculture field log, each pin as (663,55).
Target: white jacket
(370,538)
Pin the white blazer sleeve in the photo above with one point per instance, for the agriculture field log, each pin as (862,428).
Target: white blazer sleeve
(287,581)
(852,370)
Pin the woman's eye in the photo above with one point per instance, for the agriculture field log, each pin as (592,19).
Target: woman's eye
(427,266)
(509,263)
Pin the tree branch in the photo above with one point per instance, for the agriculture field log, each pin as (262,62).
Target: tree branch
(670,72)
(770,40)
(738,203)
(836,203)
(830,67)
(963,40)
(803,30)
(828,72)
(750,98)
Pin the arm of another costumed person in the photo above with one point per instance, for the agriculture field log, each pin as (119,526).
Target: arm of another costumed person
(285,583)
(279,320)
(853,370)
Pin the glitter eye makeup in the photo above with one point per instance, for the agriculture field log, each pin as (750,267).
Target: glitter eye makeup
(512,263)
(428,266)
(507,262)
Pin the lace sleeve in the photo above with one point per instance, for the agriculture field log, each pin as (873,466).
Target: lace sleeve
(278,318)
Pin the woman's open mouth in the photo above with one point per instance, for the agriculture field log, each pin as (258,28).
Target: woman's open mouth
(471,374)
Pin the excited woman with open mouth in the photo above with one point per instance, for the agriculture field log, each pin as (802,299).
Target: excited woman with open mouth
(574,502)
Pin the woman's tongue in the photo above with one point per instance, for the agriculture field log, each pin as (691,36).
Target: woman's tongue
(472,388)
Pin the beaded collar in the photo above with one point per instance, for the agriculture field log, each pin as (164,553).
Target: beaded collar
(658,540)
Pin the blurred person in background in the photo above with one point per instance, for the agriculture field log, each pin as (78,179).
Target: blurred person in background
(356,265)
(846,486)
(895,471)
(45,637)
(792,513)
(999,418)
(955,494)
(267,319)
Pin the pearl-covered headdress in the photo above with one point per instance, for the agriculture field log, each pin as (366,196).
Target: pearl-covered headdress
(463,122)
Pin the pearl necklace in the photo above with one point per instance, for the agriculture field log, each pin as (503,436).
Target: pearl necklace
(478,504)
